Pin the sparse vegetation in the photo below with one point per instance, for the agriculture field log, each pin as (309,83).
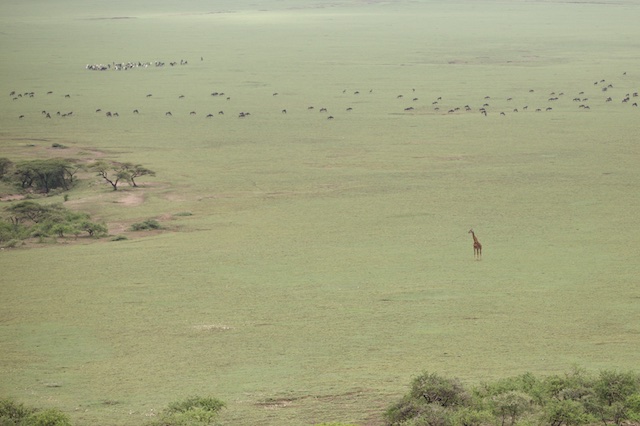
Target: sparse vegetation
(17,414)
(27,219)
(147,225)
(573,399)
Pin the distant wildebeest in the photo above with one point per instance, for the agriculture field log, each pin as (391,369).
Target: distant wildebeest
(135,111)
(330,117)
(284,111)
(168,113)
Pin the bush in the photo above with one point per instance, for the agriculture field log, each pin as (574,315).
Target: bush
(190,412)
(12,412)
(466,416)
(572,399)
(207,404)
(31,219)
(567,413)
(509,406)
(146,225)
(633,407)
(51,417)
(439,390)
(613,386)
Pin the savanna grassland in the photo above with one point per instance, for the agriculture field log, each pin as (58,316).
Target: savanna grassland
(310,266)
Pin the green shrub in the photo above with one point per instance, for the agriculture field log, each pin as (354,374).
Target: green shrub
(403,410)
(11,411)
(509,406)
(633,407)
(466,416)
(439,390)
(613,386)
(51,417)
(566,413)
(207,404)
(190,412)
(31,219)
(146,225)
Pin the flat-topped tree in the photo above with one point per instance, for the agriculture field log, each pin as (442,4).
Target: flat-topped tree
(115,173)
(137,171)
(45,175)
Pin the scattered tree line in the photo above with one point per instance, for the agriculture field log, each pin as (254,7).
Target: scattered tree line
(29,219)
(58,173)
(577,398)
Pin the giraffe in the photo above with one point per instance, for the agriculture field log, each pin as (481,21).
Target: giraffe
(477,247)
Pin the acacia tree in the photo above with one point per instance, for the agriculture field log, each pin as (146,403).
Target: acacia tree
(115,173)
(137,170)
(46,175)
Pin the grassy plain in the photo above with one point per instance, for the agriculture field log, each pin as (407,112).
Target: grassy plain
(325,262)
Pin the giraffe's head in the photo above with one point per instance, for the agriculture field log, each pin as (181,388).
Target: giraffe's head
(470,231)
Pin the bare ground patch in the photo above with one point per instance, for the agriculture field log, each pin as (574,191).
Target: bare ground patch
(132,199)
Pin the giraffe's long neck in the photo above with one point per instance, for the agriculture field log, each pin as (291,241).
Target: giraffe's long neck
(475,240)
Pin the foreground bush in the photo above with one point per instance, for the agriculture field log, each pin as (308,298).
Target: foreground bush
(17,414)
(190,412)
(574,399)
(12,413)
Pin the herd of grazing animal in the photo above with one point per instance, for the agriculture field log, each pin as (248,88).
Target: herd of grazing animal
(606,93)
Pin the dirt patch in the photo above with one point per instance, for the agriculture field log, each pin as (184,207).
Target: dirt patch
(132,199)
(212,327)
(12,197)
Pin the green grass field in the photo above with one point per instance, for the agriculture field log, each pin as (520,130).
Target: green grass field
(325,261)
